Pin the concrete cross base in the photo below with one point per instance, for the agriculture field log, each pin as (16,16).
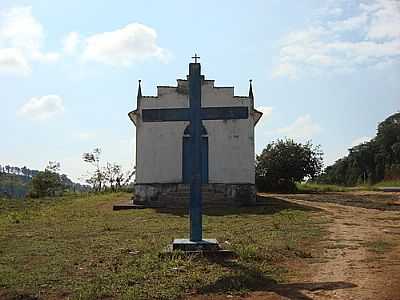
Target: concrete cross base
(188,245)
(206,248)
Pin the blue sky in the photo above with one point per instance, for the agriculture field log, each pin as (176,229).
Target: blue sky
(326,71)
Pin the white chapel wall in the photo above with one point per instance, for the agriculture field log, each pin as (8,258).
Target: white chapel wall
(159,144)
(231,142)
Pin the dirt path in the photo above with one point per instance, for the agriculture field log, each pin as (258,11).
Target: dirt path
(363,249)
(360,258)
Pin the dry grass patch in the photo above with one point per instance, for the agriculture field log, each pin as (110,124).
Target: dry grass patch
(78,248)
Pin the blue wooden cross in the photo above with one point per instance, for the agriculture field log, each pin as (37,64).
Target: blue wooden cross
(195,114)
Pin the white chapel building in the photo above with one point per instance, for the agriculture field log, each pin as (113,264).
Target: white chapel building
(163,154)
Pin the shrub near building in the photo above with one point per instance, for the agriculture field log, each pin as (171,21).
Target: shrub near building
(46,183)
(284,162)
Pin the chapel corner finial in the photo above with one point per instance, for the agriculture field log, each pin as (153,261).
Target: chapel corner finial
(251,89)
(139,93)
(195,57)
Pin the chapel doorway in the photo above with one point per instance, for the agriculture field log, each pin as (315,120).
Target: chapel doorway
(187,156)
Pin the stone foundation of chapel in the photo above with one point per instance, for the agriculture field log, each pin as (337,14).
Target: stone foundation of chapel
(175,195)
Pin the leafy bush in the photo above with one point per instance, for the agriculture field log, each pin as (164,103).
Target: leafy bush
(46,183)
(285,162)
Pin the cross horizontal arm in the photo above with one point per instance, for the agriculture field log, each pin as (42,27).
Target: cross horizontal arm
(166,115)
(183,114)
(224,113)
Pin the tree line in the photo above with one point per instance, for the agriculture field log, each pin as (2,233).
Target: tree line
(284,162)
(371,161)
(16,182)
(24,171)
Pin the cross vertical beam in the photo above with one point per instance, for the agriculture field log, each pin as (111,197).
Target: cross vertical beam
(196,234)
(194,114)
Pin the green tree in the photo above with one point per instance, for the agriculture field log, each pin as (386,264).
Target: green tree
(372,161)
(113,174)
(284,162)
(102,177)
(47,182)
(97,178)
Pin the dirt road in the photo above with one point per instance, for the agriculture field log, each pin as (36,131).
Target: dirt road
(363,249)
(359,259)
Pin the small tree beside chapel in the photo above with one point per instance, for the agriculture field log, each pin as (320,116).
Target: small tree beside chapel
(108,177)
(48,182)
(284,162)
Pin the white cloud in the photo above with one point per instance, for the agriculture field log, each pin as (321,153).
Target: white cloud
(385,19)
(25,35)
(352,23)
(13,61)
(122,47)
(302,128)
(42,108)
(48,57)
(285,69)
(19,30)
(70,42)
(360,140)
(337,11)
(366,37)
(266,110)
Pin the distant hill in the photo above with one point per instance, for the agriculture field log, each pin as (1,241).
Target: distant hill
(372,161)
(15,182)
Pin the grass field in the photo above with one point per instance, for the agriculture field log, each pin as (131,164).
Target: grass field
(322,188)
(388,183)
(78,248)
